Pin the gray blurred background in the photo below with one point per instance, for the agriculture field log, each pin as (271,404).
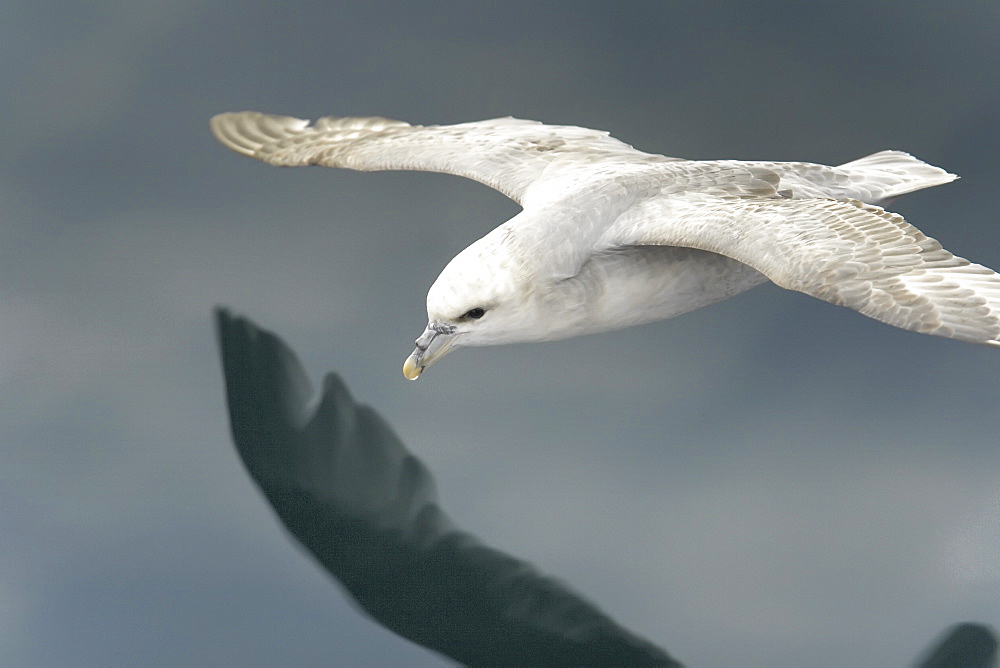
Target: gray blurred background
(771,481)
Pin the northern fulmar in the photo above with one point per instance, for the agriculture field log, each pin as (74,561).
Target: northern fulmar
(609,236)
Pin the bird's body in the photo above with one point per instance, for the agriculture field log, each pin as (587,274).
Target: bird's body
(611,237)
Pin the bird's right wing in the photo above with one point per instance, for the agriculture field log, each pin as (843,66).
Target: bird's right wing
(507,154)
(351,493)
(841,251)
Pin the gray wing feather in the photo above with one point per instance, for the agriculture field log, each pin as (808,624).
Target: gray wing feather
(507,154)
(842,251)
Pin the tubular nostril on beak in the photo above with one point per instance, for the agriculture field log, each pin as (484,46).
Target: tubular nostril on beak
(433,344)
(424,341)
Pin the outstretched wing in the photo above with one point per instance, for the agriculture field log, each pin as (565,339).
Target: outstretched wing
(507,154)
(842,251)
(351,493)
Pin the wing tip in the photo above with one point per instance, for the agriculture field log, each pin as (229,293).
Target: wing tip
(260,135)
(246,132)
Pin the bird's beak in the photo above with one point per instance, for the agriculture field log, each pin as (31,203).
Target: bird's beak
(436,341)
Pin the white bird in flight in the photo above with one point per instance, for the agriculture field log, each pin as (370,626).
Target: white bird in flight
(610,237)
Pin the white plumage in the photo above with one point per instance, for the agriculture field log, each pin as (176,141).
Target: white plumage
(611,237)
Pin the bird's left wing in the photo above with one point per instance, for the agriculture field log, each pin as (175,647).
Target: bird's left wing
(507,154)
(841,251)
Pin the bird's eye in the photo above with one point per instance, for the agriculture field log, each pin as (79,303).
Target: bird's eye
(475,313)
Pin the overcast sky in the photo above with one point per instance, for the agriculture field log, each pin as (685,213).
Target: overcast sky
(769,481)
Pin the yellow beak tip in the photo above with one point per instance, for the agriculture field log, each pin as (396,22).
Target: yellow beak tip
(410,370)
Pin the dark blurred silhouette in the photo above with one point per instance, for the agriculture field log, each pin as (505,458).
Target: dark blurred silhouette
(349,492)
(963,646)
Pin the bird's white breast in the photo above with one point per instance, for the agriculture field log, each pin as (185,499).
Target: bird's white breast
(632,286)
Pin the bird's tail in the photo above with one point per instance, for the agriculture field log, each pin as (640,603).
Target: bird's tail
(895,173)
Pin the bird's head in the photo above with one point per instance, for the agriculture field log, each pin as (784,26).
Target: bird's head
(484,296)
